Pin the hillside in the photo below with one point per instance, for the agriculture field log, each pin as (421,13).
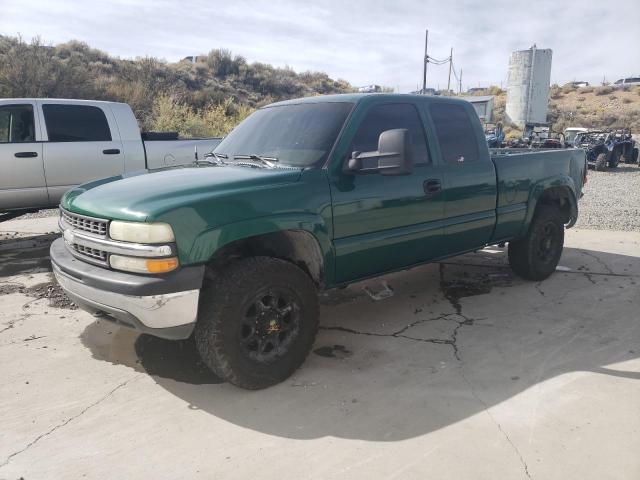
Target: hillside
(590,107)
(204,98)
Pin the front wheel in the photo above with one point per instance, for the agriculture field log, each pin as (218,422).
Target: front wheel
(257,321)
(536,256)
(614,159)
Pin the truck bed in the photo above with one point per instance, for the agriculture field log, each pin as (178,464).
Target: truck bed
(518,172)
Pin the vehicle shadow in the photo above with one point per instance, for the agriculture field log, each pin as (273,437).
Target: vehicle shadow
(454,339)
(621,168)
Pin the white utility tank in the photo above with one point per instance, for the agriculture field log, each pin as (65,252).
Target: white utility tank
(528,86)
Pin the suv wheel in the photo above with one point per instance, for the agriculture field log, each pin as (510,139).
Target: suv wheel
(536,256)
(257,321)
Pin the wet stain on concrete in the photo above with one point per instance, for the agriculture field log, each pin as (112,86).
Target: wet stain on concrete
(174,359)
(333,351)
(456,284)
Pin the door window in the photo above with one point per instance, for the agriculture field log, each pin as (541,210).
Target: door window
(76,123)
(17,124)
(455,133)
(388,117)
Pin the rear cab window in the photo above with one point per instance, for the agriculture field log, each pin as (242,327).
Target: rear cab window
(455,133)
(76,123)
(388,117)
(17,124)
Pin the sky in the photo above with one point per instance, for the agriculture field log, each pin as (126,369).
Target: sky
(363,42)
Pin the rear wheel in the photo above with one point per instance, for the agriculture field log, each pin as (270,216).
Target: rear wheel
(536,256)
(601,162)
(614,158)
(634,155)
(257,321)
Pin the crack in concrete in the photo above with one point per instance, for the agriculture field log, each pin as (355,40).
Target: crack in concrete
(453,299)
(452,341)
(66,422)
(597,259)
(497,424)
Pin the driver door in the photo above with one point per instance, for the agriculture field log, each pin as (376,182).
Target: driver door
(384,222)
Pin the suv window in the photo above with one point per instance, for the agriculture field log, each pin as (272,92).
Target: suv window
(17,124)
(388,117)
(76,123)
(455,133)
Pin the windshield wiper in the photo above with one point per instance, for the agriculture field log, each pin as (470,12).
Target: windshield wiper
(217,156)
(267,161)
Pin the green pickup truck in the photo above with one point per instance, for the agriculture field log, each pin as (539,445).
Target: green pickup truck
(305,195)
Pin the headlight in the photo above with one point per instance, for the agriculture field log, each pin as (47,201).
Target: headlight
(140,232)
(143,265)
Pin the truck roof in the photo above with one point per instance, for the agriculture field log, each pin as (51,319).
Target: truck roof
(360,97)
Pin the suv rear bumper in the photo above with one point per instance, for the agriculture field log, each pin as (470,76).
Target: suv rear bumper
(165,306)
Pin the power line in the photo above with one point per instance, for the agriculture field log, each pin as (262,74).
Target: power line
(429,59)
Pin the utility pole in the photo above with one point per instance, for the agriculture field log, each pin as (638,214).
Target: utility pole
(426,60)
(460,89)
(450,66)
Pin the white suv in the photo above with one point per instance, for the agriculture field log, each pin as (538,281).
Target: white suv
(624,82)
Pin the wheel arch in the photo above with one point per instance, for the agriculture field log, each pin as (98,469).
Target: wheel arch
(305,244)
(559,192)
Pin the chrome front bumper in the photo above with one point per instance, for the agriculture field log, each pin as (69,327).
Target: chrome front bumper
(167,311)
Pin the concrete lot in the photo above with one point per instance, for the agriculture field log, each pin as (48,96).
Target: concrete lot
(465,372)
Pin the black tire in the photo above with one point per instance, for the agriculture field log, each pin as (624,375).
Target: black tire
(536,256)
(634,155)
(601,162)
(625,155)
(614,159)
(257,321)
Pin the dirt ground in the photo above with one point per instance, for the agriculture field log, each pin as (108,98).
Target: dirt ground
(462,371)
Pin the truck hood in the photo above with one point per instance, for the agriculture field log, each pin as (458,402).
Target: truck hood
(148,194)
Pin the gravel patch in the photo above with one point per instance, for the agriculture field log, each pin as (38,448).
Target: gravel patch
(51,212)
(611,200)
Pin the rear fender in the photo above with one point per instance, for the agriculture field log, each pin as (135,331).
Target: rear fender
(556,188)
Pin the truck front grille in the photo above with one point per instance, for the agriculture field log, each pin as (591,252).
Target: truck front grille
(95,226)
(99,255)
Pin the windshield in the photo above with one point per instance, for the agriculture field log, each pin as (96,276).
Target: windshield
(570,135)
(299,135)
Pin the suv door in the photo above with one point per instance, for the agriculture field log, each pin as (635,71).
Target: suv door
(22,182)
(82,144)
(380,222)
(469,177)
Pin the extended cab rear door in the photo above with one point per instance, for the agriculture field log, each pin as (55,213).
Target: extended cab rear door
(469,176)
(22,183)
(82,143)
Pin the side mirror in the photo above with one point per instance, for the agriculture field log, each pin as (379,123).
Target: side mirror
(393,155)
